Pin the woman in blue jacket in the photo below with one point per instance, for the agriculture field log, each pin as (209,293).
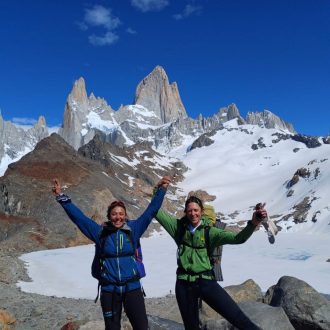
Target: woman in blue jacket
(116,242)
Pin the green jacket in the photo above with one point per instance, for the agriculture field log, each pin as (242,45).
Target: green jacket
(193,260)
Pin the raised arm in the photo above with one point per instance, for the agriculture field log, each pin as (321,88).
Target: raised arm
(140,225)
(221,237)
(86,225)
(169,222)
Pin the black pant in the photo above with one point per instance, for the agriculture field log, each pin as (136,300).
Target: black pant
(188,293)
(135,309)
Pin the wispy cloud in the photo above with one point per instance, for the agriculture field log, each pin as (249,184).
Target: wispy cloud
(100,16)
(189,10)
(23,121)
(102,40)
(149,5)
(130,31)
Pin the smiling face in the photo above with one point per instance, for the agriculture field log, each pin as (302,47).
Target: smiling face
(193,213)
(117,216)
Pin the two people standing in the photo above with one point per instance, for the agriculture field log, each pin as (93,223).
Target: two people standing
(120,285)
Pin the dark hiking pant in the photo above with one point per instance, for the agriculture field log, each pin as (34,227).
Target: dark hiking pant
(188,294)
(134,306)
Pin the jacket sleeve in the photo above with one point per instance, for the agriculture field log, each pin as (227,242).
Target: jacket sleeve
(169,222)
(140,225)
(222,237)
(86,225)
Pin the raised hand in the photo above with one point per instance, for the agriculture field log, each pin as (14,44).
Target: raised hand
(259,214)
(164,182)
(56,189)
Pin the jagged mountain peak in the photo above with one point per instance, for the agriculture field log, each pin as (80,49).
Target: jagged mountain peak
(41,121)
(78,92)
(155,93)
(268,120)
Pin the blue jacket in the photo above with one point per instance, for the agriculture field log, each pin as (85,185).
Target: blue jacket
(120,269)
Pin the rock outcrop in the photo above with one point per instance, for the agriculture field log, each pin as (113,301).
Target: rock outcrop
(83,115)
(99,173)
(303,305)
(155,93)
(269,120)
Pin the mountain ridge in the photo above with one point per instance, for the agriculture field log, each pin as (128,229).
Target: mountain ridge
(131,148)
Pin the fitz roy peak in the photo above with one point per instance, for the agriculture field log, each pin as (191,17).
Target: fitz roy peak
(157,116)
(155,93)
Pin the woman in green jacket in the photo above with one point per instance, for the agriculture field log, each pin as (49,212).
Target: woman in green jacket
(195,278)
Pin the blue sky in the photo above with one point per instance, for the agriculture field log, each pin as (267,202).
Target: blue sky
(259,54)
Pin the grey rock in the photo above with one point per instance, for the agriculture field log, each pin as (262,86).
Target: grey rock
(280,137)
(77,129)
(326,140)
(309,141)
(304,306)
(258,145)
(155,93)
(269,120)
(265,316)
(203,141)
(247,291)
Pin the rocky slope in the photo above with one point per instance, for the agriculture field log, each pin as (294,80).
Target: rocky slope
(94,177)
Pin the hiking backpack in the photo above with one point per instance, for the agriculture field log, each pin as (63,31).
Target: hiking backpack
(215,255)
(99,256)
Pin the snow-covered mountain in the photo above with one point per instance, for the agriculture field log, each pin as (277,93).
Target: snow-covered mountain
(245,164)
(238,161)
(16,141)
(157,115)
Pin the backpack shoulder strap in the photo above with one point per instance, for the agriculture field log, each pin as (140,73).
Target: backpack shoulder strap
(103,235)
(207,240)
(181,231)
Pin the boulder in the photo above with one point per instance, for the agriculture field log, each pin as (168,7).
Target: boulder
(247,291)
(265,316)
(304,306)
(309,141)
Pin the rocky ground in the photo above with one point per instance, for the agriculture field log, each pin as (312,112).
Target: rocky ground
(25,311)
(34,311)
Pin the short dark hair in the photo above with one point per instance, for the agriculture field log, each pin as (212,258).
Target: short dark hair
(113,205)
(193,199)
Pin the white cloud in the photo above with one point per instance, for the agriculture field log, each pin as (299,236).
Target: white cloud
(188,11)
(24,121)
(108,38)
(101,16)
(149,5)
(130,31)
